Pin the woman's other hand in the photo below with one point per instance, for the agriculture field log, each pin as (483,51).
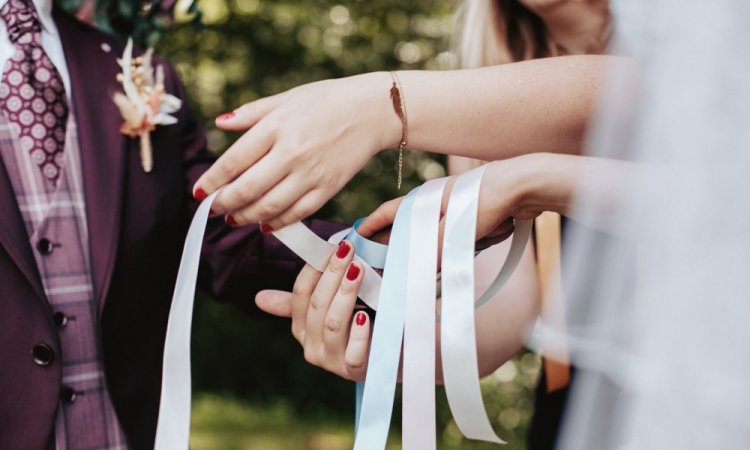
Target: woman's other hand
(507,193)
(322,307)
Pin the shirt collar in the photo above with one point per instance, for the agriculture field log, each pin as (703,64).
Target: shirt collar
(44,10)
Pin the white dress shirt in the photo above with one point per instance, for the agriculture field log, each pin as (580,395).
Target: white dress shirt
(50,42)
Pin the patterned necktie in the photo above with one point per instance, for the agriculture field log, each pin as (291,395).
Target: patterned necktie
(32,94)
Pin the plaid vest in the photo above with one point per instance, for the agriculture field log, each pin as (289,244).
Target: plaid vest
(55,220)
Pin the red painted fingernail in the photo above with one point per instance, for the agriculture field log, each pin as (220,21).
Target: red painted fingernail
(226,116)
(265,228)
(200,194)
(229,220)
(360,318)
(343,250)
(352,273)
(211,213)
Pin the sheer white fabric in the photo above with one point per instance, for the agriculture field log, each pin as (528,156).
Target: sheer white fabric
(660,306)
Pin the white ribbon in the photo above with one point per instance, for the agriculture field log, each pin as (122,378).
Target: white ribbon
(173,426)
(385,349)
(457,333)
(418,393)
(410,270)
(316,252)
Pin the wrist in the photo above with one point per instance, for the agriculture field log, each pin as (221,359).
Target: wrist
(383,118)
(542,182)
(394,127)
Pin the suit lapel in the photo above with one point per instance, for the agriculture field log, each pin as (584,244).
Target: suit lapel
(13,235)
(93,75)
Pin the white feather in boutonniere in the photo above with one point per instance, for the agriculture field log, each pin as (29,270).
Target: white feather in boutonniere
(144,104)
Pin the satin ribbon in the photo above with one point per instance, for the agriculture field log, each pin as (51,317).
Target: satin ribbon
(173,426)
(457,333)
(385,349)
(316,252)
(418,392)
(373,253)
(461,376)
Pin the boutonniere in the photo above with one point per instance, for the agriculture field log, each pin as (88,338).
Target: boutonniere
(144,104)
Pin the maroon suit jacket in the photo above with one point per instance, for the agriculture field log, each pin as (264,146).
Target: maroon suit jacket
(137,223)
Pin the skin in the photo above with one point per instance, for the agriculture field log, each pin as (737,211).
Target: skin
(322,305)
(324,323)
(518,303)
(284,168)
(532,184)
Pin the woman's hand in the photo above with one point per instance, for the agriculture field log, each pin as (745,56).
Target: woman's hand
(525,186)
(323,317)
(505,194)
(336,338)
(301,147)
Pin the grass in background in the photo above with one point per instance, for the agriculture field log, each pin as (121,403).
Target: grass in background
(223,422)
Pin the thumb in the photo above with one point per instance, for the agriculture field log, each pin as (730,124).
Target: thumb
(380,219)
(249,114)
(277,303)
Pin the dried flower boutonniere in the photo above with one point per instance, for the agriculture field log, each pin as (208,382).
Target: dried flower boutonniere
(145,104)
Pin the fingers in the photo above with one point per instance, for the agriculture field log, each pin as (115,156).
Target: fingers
(247,150)
(249,186)
(303,288)
(321,298)
(284,198)
(244,153)
(248,114)
(503,231)
(277,303)
(328,332)
(503,228)
(336,331)
(301,209)
(358,348)
(380,218)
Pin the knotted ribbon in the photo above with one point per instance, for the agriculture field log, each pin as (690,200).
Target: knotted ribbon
(403,297)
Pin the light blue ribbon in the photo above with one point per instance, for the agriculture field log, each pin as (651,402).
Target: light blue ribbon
(388,330)
(373,253)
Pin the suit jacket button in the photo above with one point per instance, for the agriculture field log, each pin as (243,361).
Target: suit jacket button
(45,246)
(68,395)
(42,354)
(60,319)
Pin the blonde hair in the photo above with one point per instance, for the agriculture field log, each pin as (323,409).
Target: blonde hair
(492,32)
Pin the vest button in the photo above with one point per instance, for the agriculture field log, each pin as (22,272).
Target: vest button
(45,246)
(60,319)
(68,395)
(42,354)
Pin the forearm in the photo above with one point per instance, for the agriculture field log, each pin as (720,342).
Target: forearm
(592,191)
(500,111)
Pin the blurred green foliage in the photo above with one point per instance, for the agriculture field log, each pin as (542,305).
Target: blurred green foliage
(143,20)
(246,49)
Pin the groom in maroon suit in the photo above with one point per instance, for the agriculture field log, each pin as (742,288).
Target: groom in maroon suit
(90,243)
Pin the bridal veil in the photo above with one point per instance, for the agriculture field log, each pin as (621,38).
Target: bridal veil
(659,305)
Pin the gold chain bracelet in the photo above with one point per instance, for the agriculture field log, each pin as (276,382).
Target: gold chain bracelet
(399,106)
